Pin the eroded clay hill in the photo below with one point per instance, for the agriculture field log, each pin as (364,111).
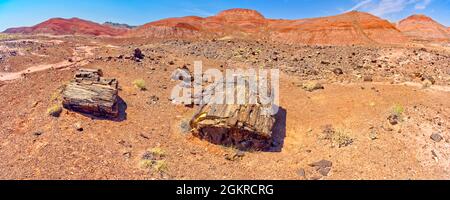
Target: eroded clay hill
(73,26)
(348,28)
(421,27)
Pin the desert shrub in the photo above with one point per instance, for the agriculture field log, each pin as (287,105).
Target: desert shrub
(4,36)
(398,110)
(337,137)
(312,86)
(140,84)
(153,159)
(157,152)
(160,166)
(341,139)
(55,110)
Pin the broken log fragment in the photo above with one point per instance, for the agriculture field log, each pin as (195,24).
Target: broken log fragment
(242,126)
(92,94)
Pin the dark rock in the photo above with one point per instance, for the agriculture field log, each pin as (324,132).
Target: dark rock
(324,62)
(429,78)
(78,126)
(38,133)
(301,172)
(138,55)
(153,100)
(368,78)
(338,71)
(436,137)
(394,119)
(323,167)
(324,171)
(322,164)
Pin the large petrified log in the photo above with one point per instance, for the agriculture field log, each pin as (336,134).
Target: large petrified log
(242,126)
(92,94)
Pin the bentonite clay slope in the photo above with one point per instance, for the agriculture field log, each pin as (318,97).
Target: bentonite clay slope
(349,28)
(229,22)
(424,28)
(73,26)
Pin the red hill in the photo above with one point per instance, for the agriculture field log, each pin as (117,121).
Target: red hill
(421,27)
(73,26)
(349,28)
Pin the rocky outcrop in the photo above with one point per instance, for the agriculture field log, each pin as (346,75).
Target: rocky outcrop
(92,94)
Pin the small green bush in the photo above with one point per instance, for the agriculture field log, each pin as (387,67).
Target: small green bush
(140,84)
(398,110)
(55,110)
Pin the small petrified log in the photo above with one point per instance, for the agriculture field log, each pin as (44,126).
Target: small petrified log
(92,94)
(243,126)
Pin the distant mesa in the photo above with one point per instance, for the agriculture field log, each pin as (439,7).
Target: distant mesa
(118,25)
(72,26)
(421,27)
(344,29)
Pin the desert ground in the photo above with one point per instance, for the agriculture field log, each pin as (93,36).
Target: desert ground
(346,124)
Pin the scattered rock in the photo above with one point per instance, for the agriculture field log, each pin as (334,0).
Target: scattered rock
(429,78)
(338,71)
(321,164)
(153,100)
(324,62)
(38,133)
(238,155)
(78,126)
(323,167)
(324,171)
(436,137)
(301,172)
(127,155)
(138,55)
(394,119)
(368,79)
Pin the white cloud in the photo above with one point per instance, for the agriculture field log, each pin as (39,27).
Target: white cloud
(360,5)
(422,5)
(198,11)
(384,7)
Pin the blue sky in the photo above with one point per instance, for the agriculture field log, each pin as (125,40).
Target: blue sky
(15,13)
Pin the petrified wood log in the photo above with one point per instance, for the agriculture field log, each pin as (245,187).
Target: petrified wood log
(92,94)
(243,126)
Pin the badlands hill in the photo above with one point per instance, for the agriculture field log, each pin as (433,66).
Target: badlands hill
(73,26)
(345,29)
(348,28)
(422,27)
